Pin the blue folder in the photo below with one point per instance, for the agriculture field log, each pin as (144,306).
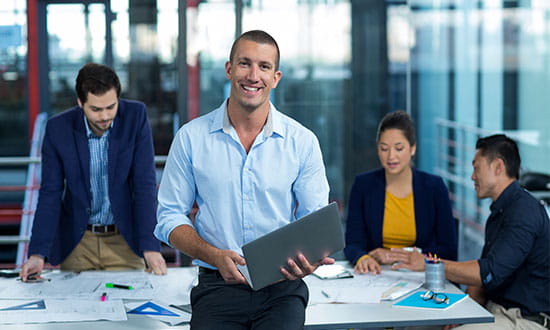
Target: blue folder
(415,301)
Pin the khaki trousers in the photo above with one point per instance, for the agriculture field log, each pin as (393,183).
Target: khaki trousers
(504,319)
(107,251)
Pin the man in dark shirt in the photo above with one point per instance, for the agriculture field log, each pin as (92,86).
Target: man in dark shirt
(512,277)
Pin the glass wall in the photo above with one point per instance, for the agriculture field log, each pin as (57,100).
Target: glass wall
(69,49)
(13,67)
(461,68)
(483,66)
(315,83)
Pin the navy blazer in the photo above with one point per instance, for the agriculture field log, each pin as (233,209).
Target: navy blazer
(435,225)
(64,200)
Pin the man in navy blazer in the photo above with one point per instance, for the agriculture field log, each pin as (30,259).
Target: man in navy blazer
(97,201)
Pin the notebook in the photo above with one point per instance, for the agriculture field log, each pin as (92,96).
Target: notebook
(317,235)
(415,301)
(332,272)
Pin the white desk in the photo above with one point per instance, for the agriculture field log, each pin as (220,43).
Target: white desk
(383,314)
(134,322)
(321,316)
(338,316)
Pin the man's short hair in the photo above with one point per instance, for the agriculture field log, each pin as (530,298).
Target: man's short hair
(96,79)
(501,146)
(260,37)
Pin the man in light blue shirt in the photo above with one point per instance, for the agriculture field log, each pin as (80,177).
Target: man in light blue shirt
(251,170)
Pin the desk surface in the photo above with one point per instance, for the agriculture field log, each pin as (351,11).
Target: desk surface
(319,316)
(337,316)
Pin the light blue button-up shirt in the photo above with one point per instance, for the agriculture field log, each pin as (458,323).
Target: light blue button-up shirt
(101,212)
(240,196)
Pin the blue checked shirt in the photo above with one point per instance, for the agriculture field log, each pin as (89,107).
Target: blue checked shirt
(240,196)
(99,180)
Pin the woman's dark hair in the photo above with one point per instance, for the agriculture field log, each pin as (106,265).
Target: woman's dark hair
(501,146)
(96,79)
(398,120)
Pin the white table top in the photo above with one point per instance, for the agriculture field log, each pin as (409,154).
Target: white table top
(319,316)
(383,314)
(337,316)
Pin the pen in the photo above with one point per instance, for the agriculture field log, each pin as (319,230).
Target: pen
(344,275)
(325,294)
(118,286)
(104,296)
(35,278)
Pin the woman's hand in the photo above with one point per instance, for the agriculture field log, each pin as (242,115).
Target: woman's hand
(382,256)
(367,265)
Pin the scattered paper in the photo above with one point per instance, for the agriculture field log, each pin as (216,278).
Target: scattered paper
(364,288)
(69,297)
(60,310)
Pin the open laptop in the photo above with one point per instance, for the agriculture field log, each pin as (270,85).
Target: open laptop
(317,235)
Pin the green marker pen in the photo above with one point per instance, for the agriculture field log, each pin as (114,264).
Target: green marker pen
(118,286)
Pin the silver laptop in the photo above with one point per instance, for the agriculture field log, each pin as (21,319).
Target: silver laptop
(317,235)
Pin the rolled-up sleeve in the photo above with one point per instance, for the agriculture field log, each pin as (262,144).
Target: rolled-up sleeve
(507,249)
(177,189)
(311,187)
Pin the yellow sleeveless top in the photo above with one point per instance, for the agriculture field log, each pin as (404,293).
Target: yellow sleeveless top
(399,228)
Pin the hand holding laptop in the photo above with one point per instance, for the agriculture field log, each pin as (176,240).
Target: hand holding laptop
(294,270)
(226,261)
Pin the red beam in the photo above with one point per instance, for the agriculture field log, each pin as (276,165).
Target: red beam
(33,77)
(193,90)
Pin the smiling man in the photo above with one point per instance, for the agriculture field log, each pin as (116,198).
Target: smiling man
(251,170)
(96,205)
(512,276)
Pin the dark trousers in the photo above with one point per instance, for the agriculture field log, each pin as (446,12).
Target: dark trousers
(217,305)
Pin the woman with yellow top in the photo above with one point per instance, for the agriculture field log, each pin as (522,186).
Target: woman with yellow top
(397,206)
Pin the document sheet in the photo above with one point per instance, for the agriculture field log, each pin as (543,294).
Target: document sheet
(363,288)
(55,310)
(67,296)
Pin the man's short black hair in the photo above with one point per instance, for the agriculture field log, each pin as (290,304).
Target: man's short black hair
(501,146)
(96,79)
(260,37)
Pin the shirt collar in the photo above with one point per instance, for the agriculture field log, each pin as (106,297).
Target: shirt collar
(90,133)
(272,125)
(505,197)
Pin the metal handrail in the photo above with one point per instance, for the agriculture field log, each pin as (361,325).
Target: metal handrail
(10,161)
(13,161)
(24,161)
(13,239)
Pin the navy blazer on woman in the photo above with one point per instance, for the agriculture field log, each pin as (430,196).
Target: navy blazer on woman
(64,201)
(435,225)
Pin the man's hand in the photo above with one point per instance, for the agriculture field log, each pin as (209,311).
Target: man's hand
(296,271)
(413,261)
(477,293)
(155,262)
(34,265)
(225,261)
(367,265)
